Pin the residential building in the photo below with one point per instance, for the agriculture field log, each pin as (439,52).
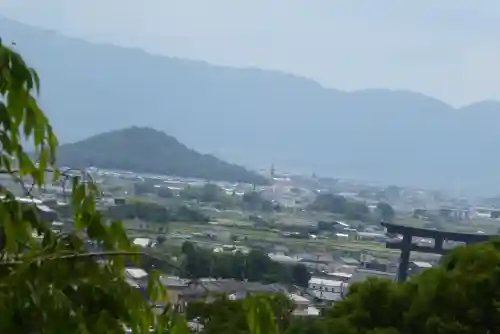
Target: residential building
(361,274)
(371,236)
(176,287)
(416,267)
(144,242)
(326,290)
(483,212)
(208,289)
(283,258)
(138,278)
(303,306)
(339,276)
(454,214)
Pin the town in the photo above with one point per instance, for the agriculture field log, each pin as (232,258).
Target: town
(230,167)
(293,222)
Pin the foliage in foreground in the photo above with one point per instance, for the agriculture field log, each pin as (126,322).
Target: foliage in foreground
(50,283)
(236,316)
(54,285)
(459,297)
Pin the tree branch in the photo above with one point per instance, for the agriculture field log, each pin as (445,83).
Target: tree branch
(90,255)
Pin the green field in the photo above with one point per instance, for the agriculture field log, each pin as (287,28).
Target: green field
(272,237)
(248,233)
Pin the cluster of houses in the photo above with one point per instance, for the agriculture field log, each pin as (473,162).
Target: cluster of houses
(182,291)
(323,290)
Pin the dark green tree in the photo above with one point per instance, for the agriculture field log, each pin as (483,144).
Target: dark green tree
(459,296)
(161,239)
(352,210)
(188,248)
(165,192)
(210,193)
(329,202)
(51,283)
(307,325)
(144,187)
(147,211)
(252,200)
(225,316)
(386,211)
(300,275)
(356,211)
(190,215)
(255,266)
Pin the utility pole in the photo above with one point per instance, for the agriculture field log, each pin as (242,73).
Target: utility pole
(211,268)
(244,268)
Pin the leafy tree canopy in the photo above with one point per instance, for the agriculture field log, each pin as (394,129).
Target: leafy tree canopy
(459,296)
(225,316)
(352,210)
(155,213)
(386,211)
(255,266)
(52,284)
(253,200)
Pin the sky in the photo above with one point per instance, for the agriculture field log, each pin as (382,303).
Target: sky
(449,49)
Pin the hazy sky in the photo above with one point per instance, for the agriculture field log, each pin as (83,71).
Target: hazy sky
(446,48)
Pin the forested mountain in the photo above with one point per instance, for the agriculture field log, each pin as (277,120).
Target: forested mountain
(255,117)
(145,150)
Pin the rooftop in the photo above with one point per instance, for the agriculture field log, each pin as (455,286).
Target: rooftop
(136,273)
(297,298)
(326,295)
(233,286)
(325,282)
(174,281)
(340,274)
(349,260)
(422,264)
(360,275)
(143,242)
(281,258)
(310,311)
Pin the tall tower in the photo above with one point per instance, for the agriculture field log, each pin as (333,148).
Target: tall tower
(273,171)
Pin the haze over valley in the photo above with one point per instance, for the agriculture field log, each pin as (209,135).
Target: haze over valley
(221,167)
(256,118)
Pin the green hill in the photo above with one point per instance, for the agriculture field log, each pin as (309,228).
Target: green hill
(145,150)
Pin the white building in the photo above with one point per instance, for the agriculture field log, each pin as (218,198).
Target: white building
(135,273)
(327,289)
(144,242)
(282,258)
(339,276)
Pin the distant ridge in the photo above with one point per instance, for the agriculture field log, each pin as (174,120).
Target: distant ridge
(255,117)
(145,150)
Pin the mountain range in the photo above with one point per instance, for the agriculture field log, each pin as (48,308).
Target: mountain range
(145,150)
(256,117)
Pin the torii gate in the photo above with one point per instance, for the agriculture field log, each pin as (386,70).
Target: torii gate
(406,245)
